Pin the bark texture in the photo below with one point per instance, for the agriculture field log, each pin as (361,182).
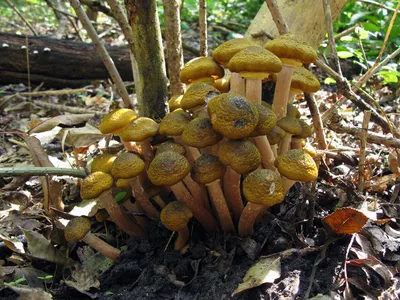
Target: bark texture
(143,17)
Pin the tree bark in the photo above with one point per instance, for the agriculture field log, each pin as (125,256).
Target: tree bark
(62,19)
(173,41)
(143,17)
(203,27)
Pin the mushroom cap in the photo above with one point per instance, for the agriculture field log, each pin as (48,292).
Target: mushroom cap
(298,165)
(196,95)
(232,116)
(224,52)
(175,216)
(102,163)
(207,168)
(170,145)
(266,121)
(201,69)
(292,111)
(95,184)
(306,130)
(292,50)
(76,229)
(241,155)
(223,84)
(290,125)
(275,135)
(175,102)
(168,168)
(127,165)
(199,133)
(122,182)
(139,129)
(174,122)
(255,62)
(263,187)
(116,120)
(310,150)
(304,80)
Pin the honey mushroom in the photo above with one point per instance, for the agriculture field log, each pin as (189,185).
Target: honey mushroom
(297,140)
(201,69)
(291,126)
(196,97)
(102,163)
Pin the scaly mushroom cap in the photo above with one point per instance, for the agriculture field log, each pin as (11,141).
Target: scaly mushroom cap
(207,168)
(168,168)
(292,50)
(241,155)
(127,165)
(263,187)
(306,130)
(199,69)
(170,145)
(302,81)
(298,165)
(199,133)
(76,229)
(102,163)
(95,184)
(292,111)
(175,102)
(266,121)
(116,120)
(276,135)
(175,216)
(139,129)
(196,95)
(223,84)
(232,116)
(174,122)
(255,62)
(224,52)
(290,125)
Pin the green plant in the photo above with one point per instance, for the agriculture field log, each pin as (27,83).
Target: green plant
(18,281)
(44,278)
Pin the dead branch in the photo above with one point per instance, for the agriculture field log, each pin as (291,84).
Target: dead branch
(203,27)
(65,108)
(277,16)
(41,171)
(317,121)
(363,145)
(54,92)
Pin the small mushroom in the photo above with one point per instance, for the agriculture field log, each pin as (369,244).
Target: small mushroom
(292,127)
(197,96)
(175,102)
(201,69)
(102,163)
(297,140)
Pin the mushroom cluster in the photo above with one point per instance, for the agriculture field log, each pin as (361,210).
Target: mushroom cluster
(221,142)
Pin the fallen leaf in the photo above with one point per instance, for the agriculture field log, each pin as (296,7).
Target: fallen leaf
(27,293)
(83,281)
(366,288)
(267,270)
(80,137)
(346,221)
(66,120)
(86,208)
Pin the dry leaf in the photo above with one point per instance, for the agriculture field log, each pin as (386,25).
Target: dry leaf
(393,162)
(80,137)
(66,120)
(83,281)
(346,221)
(27,293)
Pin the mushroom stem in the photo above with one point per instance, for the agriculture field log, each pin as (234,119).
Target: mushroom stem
(237,84)
(199,212)
(198,192)
(123,221)
(254,90)
(142,221)
(160,202)
(183,237)
(284,145)
(231,183)
(296,143)
(101,246)
(191,153)
(130,146)
(142,198)
(292,96)
(248,219)
(287,183)
(147,151)
(282,89)
(266,152)
(217,197)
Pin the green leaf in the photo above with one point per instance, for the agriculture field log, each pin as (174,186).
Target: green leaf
(120,196)
(345,54)
(108,293)
(19,280)
(389,76)
(329,80)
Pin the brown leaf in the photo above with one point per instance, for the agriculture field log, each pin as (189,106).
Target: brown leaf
(346,221)
(28,293)
(366,288)
(66,120)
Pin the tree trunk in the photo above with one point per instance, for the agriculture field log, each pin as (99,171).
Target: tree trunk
(203,27)
(66,64)
(62,19)
(173,41)
(143,17)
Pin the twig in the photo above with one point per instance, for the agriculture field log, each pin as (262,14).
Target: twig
(277,16)
(344,32)
(22,17)
(54,92)
(317,121)
(203,27)
(261,33)
(379,5)
(363,145)
(107,60)
(41,171)
(69,109)
(28,69)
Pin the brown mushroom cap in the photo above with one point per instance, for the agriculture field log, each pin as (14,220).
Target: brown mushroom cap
(266,122)
(170,145)
(255,62)
(196,94)
(292,50)
(95,184)
(290,125)
(199,133)
(168,168)
(292,111)
(116,120)
(139,129)
(306,130)
(263,187)
(241,155)
(76,229)
(175,102)
(233,116)
(298,165)
(174,122)
(122,182)
(175,216)
(102,163)
(276,135)
(302,81)
(207,168)
(201,69)
(224,52)
(127,165)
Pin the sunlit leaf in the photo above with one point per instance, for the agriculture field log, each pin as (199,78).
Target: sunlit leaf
(346,221)
(345,54)
(329,80)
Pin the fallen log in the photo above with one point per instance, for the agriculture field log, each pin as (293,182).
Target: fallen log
(57,63)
